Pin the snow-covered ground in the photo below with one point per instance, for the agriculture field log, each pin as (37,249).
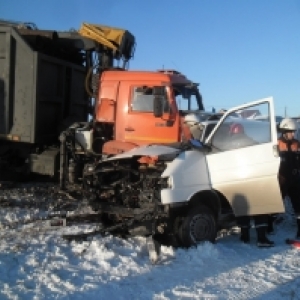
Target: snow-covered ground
(41,265)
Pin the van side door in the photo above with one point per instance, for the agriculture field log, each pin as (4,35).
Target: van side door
(244,160)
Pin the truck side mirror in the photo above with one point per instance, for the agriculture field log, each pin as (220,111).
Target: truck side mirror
(158,106)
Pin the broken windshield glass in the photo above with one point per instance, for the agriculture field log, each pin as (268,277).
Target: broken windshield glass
(188,97)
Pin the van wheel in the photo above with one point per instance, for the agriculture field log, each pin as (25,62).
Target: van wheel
(197,226)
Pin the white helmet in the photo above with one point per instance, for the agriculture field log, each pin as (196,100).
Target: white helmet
(288,124)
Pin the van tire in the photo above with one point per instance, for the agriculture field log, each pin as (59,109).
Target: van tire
(197,226)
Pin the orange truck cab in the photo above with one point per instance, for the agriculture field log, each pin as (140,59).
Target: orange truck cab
(141,107)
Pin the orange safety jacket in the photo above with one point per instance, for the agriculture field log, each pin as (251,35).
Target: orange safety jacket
(285,145)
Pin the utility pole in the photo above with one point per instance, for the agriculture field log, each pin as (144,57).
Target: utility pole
(285,111)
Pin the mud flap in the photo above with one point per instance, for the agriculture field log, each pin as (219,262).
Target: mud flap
(153,249)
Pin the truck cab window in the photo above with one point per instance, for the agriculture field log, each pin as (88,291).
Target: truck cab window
(142,100)
(187,98)
(184,104)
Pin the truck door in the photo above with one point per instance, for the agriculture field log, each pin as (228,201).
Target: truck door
(142,127)
(244,161)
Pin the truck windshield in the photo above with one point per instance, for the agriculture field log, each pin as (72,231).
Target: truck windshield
(188,97)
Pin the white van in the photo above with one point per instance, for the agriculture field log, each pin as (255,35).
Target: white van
(183,190)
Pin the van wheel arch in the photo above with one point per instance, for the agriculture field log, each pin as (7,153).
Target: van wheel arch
(209,198)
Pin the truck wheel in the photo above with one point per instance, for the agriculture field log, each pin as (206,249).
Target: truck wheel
(197,226)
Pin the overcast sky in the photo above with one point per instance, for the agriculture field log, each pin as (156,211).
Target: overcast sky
(238,51)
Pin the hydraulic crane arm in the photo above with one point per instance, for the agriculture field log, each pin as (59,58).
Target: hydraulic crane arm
(121,42)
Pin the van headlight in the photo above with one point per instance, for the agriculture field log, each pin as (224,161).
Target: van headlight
(167,182)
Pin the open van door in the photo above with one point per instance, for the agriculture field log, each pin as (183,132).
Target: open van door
(244,160)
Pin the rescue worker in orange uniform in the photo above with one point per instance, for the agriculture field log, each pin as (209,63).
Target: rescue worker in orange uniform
(289,170)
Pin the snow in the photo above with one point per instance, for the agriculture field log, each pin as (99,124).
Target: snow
(41,265)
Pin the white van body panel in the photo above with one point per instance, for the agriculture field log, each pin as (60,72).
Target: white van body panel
(246,176)
(188,174)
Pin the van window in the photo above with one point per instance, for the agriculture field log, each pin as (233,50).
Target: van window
(243,129)
(142,100)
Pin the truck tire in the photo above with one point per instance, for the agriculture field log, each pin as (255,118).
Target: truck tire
(197,226)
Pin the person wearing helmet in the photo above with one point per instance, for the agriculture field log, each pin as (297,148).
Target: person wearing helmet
(192,122)
(289,169)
